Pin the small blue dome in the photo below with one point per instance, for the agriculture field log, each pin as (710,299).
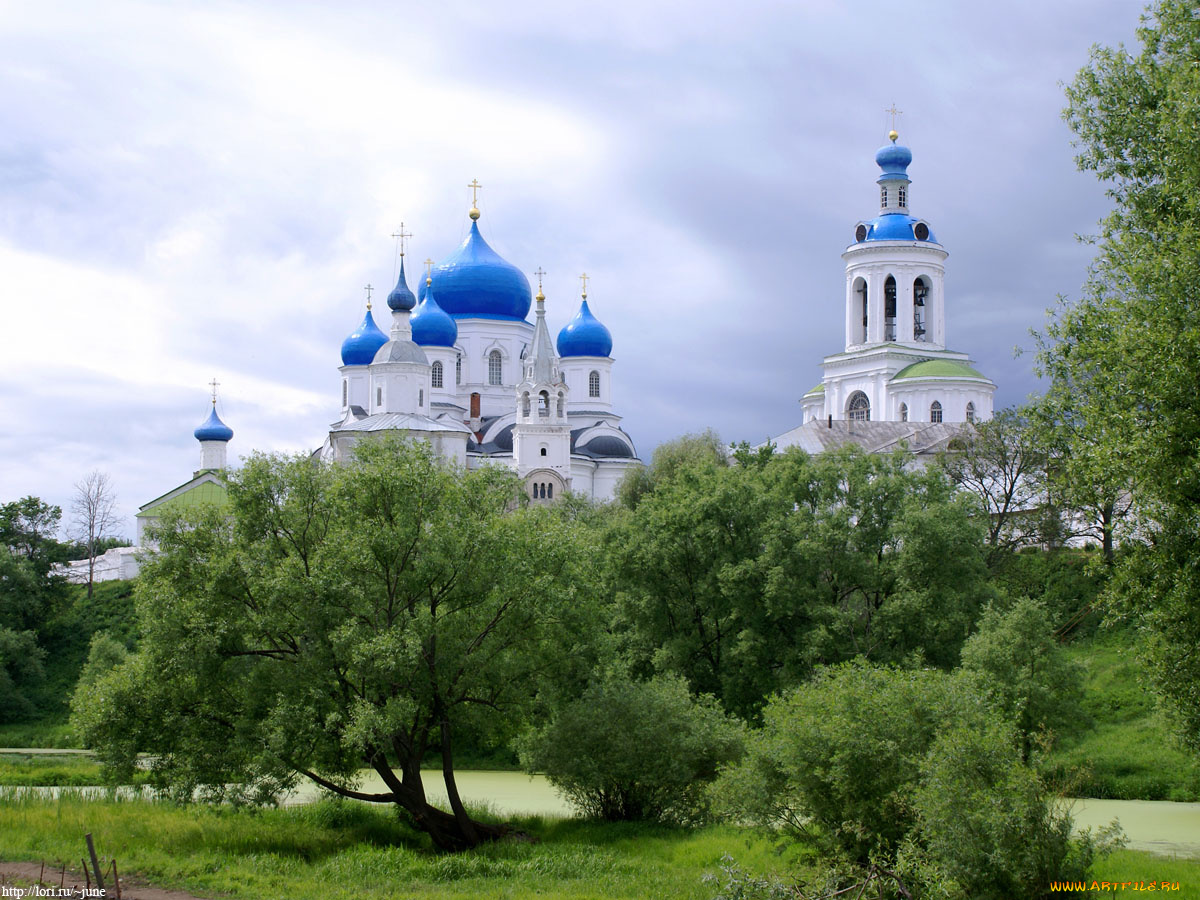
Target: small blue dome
(213,429)
(894,160)
(584,335)
(476,282)
(896,227)
(431,325)
(401,297)
(360,348)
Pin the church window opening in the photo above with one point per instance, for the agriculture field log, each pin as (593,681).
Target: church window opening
(525,404)
(903,412)
(550,491)
(379,396)
(458,369)
(495,368)
(543,403)
(889,309)
(935,412)
(859,408)
(883,197)
(421,397)
(561,401)
(920,295)
(543,451)
(971,413)
(901,197)
(345,391)
(860,289)
(594,384)
(436,374)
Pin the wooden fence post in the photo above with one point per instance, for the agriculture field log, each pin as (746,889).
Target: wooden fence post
(95,862)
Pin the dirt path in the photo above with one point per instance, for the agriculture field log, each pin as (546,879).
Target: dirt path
(27,873)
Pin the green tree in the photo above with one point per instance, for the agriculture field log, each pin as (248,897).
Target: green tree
(1128,352)
(1024,671)
(686,452)
(340,618)
(634,750)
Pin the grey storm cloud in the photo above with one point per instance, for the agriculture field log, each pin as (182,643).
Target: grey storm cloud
(197,190)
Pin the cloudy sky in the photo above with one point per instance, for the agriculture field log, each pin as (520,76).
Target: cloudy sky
(190,190)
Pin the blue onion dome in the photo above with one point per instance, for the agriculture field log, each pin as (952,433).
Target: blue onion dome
(895,227)
(432,326)
(476,282)
(401,297)
(584,335)
(893,158)
(360,348)
(213,429)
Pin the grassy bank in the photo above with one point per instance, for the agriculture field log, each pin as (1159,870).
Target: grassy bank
(1125,751)
(339,851)
(54,771)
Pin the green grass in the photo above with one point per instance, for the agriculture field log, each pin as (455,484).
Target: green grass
(38,734)
(332,850)
(54,771)
(1144,868)
(1126,750)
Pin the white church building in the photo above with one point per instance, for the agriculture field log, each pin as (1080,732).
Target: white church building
(896,381)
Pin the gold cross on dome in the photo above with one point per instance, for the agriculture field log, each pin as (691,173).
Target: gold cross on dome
(401,235)
(428,267)
(584,278)
(893,112)
(214,384)
(368,289)
(474,186)
(539,273)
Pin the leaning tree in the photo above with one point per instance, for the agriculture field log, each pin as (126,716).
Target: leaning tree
(341,618)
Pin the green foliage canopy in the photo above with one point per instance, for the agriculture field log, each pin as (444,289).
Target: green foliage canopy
(341,617)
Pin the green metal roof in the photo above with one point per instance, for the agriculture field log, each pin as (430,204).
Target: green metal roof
(819,389)
(937,368)
(205,493)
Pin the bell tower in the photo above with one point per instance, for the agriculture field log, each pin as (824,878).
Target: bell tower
(542,433)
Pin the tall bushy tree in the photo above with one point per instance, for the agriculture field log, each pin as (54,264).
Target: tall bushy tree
(339,618)
(1128,353)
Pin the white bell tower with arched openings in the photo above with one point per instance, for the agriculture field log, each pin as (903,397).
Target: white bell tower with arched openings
(895,365)
(542,432)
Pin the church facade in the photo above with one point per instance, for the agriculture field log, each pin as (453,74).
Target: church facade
(462,368)
(896,380)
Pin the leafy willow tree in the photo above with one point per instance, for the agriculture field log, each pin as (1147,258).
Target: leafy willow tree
(341,617)
(1127,354)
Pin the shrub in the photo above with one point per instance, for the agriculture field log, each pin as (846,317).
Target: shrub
(635,750)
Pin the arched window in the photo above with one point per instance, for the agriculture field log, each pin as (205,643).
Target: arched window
(920,294)
(560,405)
(495,368)
(860,290)
(550,490)
(543,403)
(594,384)
(435,373)
(903,412)
(901,198)
(889,309)
(543,451)
(883,195)
(935,411)
(458,369)
(525,404)
(859,408)
(421,398)
(345,391)
(971,413)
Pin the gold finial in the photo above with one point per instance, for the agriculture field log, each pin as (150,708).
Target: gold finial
(368,289)
(540,296)
(214,384)
(401,235)
(584,278)
(428,271)
(474,186)
(893,112)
